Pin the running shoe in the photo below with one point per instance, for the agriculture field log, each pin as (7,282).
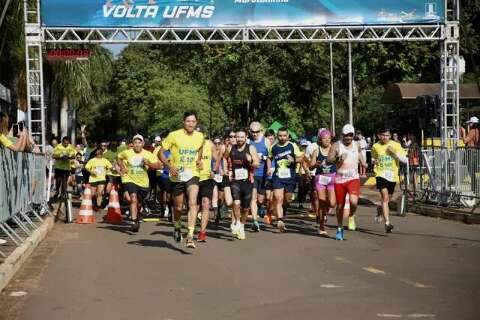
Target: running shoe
(177,234)
(281,226)
(339,235)
(189,243)
(261,212)
(202,236)
(267,219)
(322,233)
(135,226)
(379,216)
(389,228)
(352,226)
(255,226)
(241,233)
(234,229)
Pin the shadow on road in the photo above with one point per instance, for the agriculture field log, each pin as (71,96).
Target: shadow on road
(158,244)
(119,228)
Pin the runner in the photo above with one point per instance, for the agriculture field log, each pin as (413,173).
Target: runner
(312,147)
(113,177)
(324,177)
(218,201)
(133,164)
(270,208)
(243,160)
(286,155)
(163,183)
(207,184)
(262,146)
(98,168)
(386,156)
(62,154)
(186,159)
(346,155)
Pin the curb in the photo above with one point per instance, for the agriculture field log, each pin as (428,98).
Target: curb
(440,212)
(18,257)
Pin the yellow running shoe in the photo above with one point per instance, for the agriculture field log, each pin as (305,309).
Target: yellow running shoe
(352,226)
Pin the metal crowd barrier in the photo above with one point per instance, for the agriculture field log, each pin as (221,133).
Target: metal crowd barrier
(447,176)
(23,194)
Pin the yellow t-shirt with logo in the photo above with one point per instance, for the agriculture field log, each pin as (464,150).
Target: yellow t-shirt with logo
(100,167)
(136,169)
(184,151)
(387,167)
(61,151)
(4,141)
(206,171)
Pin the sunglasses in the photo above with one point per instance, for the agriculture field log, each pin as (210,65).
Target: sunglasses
(255,131)
(232,136)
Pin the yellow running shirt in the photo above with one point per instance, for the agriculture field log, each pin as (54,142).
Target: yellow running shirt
(136,169)
(184,149)
(4,141)
(98,168)
(61,151)
(387,167)
(205,173)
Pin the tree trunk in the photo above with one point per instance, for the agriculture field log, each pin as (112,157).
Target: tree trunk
(72,124)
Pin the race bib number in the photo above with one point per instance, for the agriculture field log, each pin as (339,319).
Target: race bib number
(241,174)
(100,171)
(218,178)
(349,174)
(185,175)
(284,173)
(324,180)
(136,161)
(388,175)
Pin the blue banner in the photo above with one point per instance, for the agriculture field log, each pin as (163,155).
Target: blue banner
(238,13)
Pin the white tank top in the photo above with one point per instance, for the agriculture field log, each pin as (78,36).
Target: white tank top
(349,169)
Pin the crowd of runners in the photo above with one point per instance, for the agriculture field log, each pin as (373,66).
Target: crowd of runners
(248,172)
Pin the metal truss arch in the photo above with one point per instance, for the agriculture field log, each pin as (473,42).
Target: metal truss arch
(373,33)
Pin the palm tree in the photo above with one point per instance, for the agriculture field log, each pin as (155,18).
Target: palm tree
(76,84)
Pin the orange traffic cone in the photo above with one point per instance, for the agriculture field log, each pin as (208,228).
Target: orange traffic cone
(346,208)
(114,214)
(86,210)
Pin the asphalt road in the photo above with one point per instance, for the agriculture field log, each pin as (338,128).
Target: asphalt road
(426,269)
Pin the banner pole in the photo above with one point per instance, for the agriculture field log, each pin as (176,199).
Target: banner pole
(331,89)
(350,90)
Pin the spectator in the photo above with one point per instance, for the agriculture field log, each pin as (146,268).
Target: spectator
(5,142)
(395,137)
(472,141)
(363,146)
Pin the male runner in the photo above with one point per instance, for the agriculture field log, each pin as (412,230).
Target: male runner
(286,155)
(242,159)
(133,164)
(62,154)
(207,184)
(184,167)
(346,155)
(386,156)
(262,146)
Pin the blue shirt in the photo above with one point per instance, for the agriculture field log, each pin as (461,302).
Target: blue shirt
(262,151)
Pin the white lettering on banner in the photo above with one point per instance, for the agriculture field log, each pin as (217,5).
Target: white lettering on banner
(121,11)
(151,11)
(204,12)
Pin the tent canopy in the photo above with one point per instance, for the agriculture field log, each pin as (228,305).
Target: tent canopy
(277,125)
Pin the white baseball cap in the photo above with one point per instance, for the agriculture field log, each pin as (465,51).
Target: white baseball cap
(139,137)
(347,129)
(158,139)
(473,120)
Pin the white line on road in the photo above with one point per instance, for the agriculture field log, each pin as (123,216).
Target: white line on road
(374,271)
(330,286)
(420,315)
(342,259)
(389,315)
(416,284)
